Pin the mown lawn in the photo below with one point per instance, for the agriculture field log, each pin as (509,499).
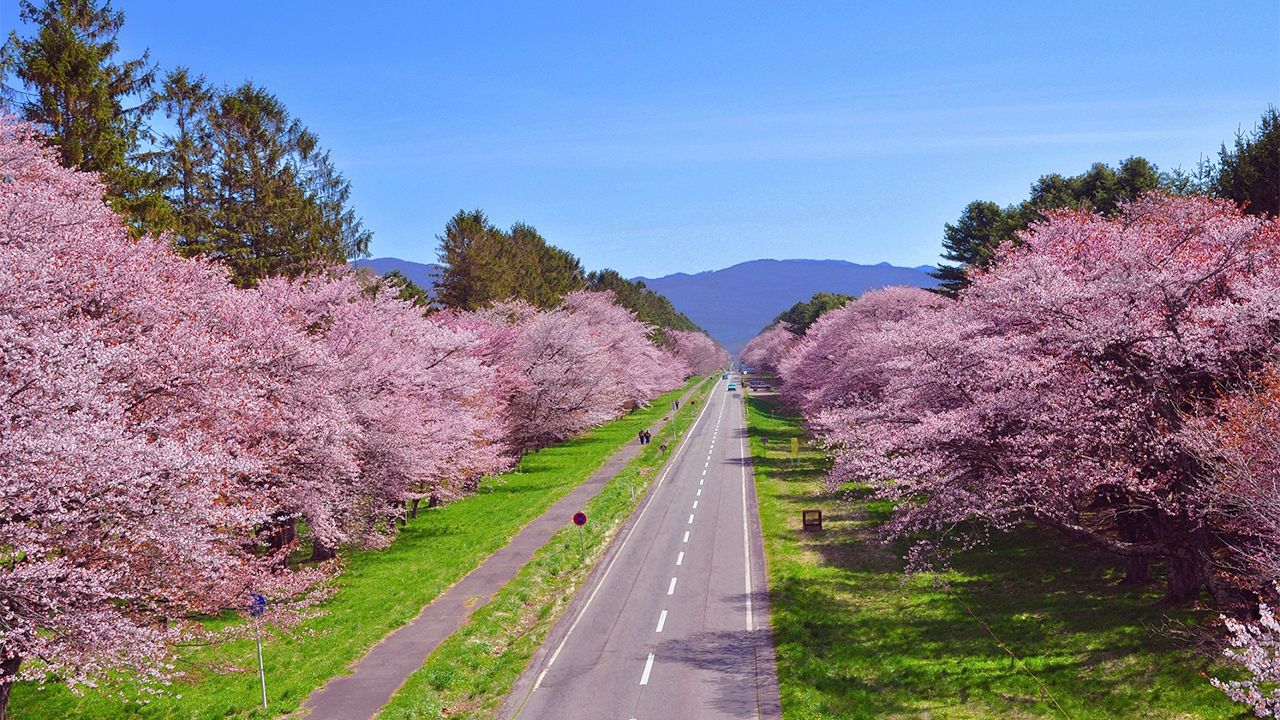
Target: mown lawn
(470,675)
(378,592)
(1019,629)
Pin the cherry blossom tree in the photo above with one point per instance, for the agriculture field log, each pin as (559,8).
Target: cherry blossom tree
(410,408)
(117,519)
(1056,388)
(700,353)
(1241,495)
(767,350)
(842,360)
(572,367)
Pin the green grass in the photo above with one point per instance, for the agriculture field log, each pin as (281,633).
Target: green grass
(858,639)
(378,592)
(470,674)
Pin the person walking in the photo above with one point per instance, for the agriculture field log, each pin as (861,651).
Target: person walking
(641,435)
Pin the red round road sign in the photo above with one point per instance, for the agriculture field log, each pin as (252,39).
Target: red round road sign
(580,519)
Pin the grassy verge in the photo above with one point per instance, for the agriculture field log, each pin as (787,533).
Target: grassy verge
(378,592)
(471,673)
(1019,629)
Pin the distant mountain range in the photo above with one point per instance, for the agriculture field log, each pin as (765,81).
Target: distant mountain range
(421,274)
(736,303)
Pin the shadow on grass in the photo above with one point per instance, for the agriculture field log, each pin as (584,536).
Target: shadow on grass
(1026,626)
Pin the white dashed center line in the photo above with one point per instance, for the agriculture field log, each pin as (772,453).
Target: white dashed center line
(680,558)
(671,589)
(695,504)
(662,620)
(686,536)
(648,667)
(690,518)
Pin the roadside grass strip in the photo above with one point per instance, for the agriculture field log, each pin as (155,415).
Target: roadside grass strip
(471,673)
(378,592)
(1022,628)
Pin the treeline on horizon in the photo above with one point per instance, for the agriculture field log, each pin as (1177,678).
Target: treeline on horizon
(1247,173)
(229,174)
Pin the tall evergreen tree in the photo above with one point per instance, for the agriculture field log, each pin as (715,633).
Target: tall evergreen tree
(92,106)
(485,264)
(970,243)
(1249,172)
(280,206)
(184,159)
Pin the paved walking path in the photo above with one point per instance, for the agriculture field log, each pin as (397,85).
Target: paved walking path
(376,676)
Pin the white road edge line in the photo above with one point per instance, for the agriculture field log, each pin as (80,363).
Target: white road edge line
(746,528)
(662,620)
(671,464)
(648,667)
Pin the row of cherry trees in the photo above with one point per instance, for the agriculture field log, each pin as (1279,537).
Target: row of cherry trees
(168,439)
(1109,378)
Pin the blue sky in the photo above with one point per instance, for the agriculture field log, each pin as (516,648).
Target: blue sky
(657,138)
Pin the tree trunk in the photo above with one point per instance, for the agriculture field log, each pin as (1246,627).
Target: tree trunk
(321,551)
(414,513)
(1137,572)
(1184,581)
(8,673)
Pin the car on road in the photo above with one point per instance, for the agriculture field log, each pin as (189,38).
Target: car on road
(732,387)
(724,376)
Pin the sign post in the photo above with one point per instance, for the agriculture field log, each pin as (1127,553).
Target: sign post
(256,609)
(580,519)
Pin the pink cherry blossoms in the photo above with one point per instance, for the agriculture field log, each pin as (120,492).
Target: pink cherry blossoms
(1059,390)
(166,434)
(564,370)
(699,352)
(767,350)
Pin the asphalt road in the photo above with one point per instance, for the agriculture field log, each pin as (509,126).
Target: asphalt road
(673,624)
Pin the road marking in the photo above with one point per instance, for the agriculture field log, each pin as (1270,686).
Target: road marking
(671,589)
(704,471)
(699,492)
(746,534)
(695,504)
(701,480)
(690,518)
(670,465)
(686,536)
(662,620)
(707,464)
(648,666)
(680,558)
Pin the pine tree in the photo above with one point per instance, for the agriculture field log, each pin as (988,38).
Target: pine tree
(970,242)
(281,208)
(184,159)
(73,86)
(1249,172)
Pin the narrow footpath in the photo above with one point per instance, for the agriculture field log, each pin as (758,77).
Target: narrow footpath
(377,675)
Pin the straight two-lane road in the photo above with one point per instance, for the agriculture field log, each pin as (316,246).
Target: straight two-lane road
(674,621)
